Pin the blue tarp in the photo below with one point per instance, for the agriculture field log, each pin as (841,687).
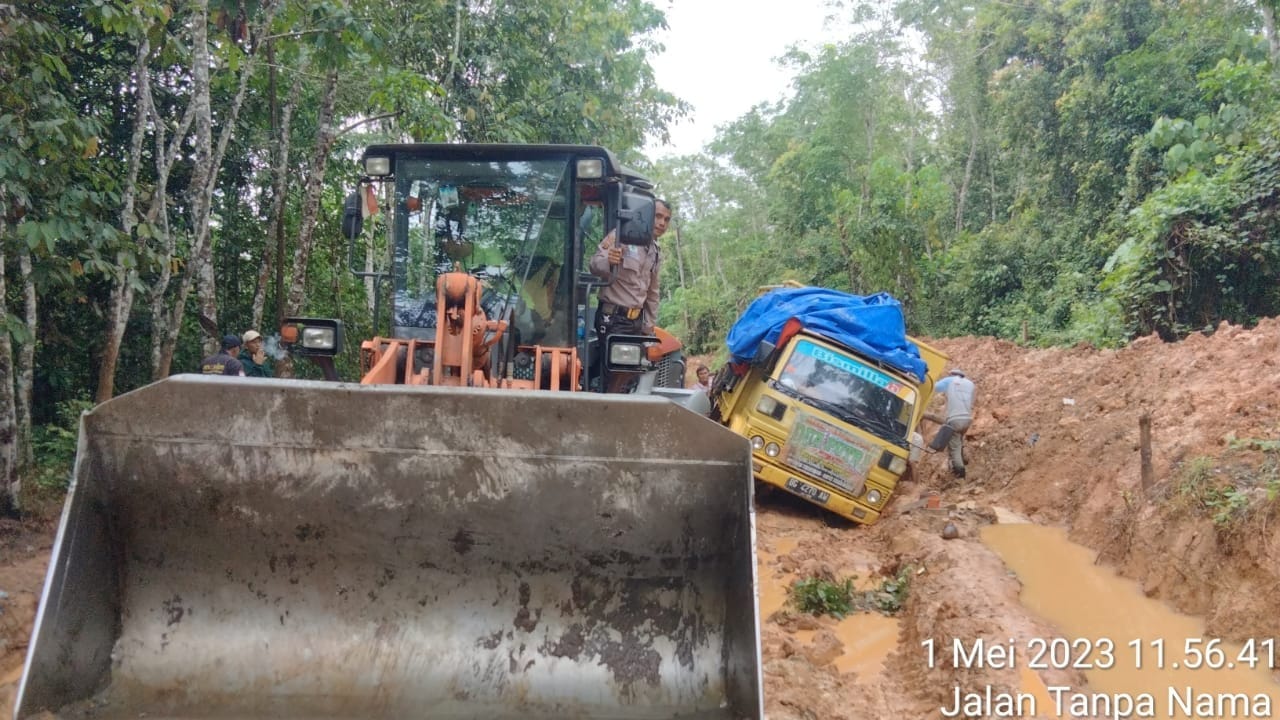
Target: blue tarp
(871,324)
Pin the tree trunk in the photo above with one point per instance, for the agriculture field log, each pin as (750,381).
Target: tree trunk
(968,172)
(311,194)
(1269,29)
(204,177)
(370,284)
(158,216)
(9,487)
(202,172)
(684,308)
(120,303)
(207,298)
(119,306)
(26,361)
(280,191)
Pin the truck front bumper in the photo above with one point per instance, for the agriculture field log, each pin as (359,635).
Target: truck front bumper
(825,497)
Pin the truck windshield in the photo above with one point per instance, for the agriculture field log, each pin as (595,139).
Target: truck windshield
(505,222)
(849,389)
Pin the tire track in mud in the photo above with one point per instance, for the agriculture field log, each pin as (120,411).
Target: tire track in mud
(959,590)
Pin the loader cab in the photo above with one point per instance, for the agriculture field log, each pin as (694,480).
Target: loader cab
(523,219)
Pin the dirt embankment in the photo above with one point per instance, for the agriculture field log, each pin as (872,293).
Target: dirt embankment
(24,555)
(1056,438)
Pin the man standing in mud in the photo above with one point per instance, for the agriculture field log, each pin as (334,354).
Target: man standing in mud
(959,392)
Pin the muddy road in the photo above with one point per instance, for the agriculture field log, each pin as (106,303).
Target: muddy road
(1055,444)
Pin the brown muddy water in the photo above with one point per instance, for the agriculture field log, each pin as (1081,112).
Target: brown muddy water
(1137,654)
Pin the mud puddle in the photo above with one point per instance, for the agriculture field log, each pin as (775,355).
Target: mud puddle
(1138,655)
(863,640)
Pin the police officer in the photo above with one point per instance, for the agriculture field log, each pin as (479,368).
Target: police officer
(629,304)
(225,362)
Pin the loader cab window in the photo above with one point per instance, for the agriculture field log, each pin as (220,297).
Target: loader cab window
(504,222)
(848,389)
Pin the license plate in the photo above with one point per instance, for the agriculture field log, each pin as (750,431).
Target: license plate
(806,490)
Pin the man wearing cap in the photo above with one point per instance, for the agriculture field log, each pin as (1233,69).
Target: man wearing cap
(225,362)
(959,391)
(629,303)
(253,357)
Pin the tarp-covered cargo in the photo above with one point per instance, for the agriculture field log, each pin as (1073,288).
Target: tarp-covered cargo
(872,325)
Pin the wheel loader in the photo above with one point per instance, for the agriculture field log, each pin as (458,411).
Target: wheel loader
(471,530)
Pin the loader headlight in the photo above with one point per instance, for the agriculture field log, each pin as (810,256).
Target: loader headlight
(873,497)
(590,169)
(757,442)
(318,338)
(312,336)
(625,354)
(377,165)
(772,449)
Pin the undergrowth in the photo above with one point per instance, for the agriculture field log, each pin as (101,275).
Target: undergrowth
(818,596)
(54,446)
(1231,488)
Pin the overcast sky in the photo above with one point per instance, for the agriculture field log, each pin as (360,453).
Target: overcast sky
(720,58)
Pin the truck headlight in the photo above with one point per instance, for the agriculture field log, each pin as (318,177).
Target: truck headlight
(772,449)
(757,442)
(893,463)
(318,338)
(625,354)
(873,497)
(767,405)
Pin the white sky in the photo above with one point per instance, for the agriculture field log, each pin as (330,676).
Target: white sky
(720,58)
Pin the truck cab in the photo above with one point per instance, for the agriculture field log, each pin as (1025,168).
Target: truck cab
(826,422)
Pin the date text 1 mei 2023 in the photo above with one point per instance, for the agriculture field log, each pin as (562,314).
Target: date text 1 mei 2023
(1103,653)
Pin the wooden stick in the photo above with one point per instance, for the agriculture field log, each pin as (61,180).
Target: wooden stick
(1144,450)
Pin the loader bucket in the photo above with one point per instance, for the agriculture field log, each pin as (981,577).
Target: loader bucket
(292,549)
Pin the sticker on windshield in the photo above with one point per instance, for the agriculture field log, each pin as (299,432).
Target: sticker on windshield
(854,368)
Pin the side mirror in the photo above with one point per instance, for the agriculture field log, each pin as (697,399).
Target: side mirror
(635,219)
(352,218)
(764,354)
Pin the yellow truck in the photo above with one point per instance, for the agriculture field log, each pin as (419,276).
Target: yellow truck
(830,392)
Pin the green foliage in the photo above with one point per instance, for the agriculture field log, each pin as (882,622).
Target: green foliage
(1231,488)
(1270,446)
(1197,248)
(1096,171)
(816,596)
(54,445)
(891,596)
